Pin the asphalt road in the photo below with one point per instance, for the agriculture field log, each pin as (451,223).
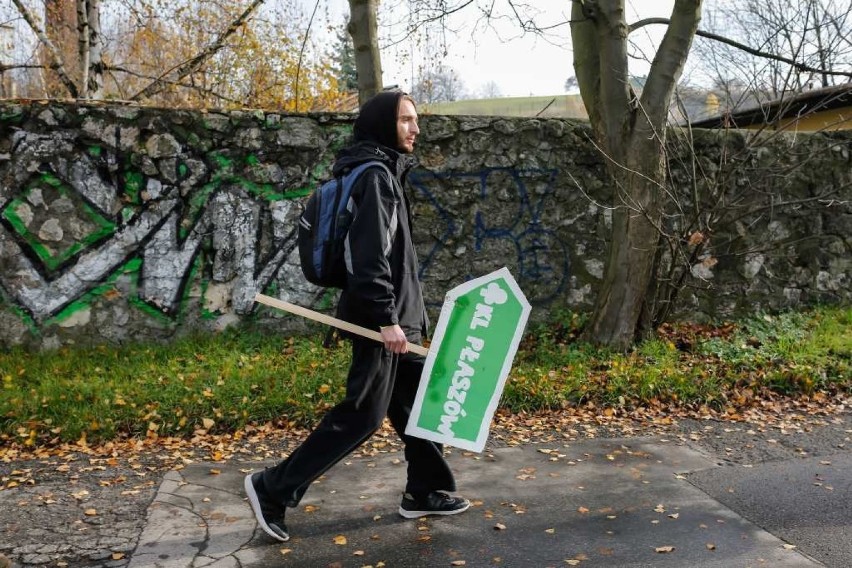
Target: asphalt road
(788,481)
(796,486)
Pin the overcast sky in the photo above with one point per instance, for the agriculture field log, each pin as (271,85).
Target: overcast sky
(520,65)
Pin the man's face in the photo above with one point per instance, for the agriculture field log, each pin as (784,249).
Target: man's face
(406,126)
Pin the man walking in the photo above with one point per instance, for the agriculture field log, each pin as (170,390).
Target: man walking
(382,292)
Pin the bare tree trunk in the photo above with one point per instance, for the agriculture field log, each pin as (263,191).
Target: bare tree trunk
(83,38)
(95,67)
(50,46)
(89,39)
(630,132)
(364,31)
(60,25)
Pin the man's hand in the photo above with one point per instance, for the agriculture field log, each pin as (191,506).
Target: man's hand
(394,339)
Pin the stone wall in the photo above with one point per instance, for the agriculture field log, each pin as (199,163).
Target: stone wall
(123,223)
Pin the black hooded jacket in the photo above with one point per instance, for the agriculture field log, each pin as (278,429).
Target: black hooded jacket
(382,286)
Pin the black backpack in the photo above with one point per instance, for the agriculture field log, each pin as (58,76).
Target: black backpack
(323,227)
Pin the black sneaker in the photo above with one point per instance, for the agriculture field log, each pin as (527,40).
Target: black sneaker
(434,503)
(270,516)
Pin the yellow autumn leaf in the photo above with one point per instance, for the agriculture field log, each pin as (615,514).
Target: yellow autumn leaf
(207,423)
(90,512)
(340,540)
(324,389)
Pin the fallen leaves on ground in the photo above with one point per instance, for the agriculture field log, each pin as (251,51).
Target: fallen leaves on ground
(273,440)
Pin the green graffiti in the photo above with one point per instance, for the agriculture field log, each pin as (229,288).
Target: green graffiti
(149,310)
(193,140)
(265,191)
(51,259)
(223,162)
(322,169)
(108,287)
(23,316)
(207,314)
(133,184)
(194,273)
(13,117)
(133,268)
(50,180)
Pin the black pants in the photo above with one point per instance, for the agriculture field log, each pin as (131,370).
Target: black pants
(379,384)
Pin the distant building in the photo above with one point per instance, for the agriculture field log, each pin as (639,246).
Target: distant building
(829,108)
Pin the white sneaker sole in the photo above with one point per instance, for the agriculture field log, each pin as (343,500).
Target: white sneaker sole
(405,513)
(255,507)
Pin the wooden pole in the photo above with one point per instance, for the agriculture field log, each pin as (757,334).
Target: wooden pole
(332,321)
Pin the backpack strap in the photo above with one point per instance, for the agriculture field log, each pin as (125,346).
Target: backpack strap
(346,190)
(352,175)
(349,178)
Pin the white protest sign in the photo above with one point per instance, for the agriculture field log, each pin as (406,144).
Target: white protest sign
(474,344)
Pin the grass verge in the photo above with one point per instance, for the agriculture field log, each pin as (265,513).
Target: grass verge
(220,383)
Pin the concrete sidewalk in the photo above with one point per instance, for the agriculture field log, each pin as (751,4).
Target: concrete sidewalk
(589,503)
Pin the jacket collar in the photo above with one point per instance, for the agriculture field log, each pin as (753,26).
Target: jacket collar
(365,151)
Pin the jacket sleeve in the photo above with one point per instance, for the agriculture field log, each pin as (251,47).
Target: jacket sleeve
(368,246)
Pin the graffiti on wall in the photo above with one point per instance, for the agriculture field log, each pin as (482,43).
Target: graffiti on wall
(507,214)
(70,227)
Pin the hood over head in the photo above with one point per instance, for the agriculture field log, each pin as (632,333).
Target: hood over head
(376,121)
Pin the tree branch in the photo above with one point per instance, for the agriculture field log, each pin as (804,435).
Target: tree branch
(587,63)
(722,39)
(302,53)
(669,60)
(83,36)
(58,66)
(119,69)
(193,64)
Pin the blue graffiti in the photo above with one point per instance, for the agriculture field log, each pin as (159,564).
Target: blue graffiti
(541,262)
